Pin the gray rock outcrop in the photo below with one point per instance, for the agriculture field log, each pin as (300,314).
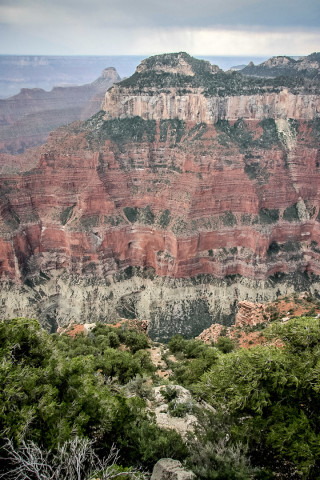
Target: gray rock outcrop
(169,469)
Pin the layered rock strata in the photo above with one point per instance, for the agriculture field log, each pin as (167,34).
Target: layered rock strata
(196,107)
(167,219)
(179,86)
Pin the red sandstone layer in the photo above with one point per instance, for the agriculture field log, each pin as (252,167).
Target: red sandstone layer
(69,211)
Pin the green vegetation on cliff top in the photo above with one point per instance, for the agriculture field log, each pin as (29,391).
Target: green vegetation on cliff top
(157,75)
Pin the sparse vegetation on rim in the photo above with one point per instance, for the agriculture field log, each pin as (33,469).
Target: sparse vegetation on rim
(219,83)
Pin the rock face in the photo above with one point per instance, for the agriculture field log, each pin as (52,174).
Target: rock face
(167,219)
(196,107)
(250,314)
(169,469)
(27,118)
(193,90)
(167,206)
(252,317)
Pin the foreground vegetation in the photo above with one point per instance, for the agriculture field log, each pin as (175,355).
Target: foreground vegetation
(257,410)
(54,388)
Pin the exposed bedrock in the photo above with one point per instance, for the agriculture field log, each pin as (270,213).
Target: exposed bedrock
(215,211)
(182,207)
(171,306)
(179,86)
(196,107)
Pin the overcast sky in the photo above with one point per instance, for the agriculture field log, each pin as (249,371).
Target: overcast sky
(144,27)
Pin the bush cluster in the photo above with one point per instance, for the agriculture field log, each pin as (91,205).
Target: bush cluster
(55,387)
(257,410)
(272,394)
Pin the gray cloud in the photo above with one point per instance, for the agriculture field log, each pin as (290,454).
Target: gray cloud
(113,26)
(168,13)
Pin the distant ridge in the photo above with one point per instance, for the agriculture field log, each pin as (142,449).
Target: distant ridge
(27,118)
(29,71)
(308,66)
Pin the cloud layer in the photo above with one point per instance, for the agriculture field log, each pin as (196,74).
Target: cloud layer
(211,27)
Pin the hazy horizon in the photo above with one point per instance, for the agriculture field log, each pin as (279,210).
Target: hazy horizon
(48,71)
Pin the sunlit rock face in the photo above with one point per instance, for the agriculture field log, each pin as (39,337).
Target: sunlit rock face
(179,86)
(151,210)
(196,107)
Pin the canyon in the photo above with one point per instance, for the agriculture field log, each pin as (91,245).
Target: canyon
(191,190)
(27,118)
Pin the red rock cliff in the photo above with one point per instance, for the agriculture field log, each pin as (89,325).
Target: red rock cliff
(235,197)
(188,202)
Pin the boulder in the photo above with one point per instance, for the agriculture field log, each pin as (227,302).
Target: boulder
(169,469)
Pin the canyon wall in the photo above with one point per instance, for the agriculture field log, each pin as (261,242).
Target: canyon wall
(171,306)
(196,107)
(170,220)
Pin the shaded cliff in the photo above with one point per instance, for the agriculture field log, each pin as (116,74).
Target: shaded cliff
(169,219)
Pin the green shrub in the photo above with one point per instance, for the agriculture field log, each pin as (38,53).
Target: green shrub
(270,136)
(131,213)
(215,453)
(188,371)
(274,394)
(238,133)
(164,218)
(252,169)
(175,127)
(228,219)
(66,214)
(225,344)
(121,131)
(89,221)
(177,409)
(194,348)
(267,216)
(273,249)
(146,215)
(177,344)
(63,387)
(133,339)
(169,393)
(290,246)
(179,226)
(114,220)
(153,443)
(246,218)
(291,213)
